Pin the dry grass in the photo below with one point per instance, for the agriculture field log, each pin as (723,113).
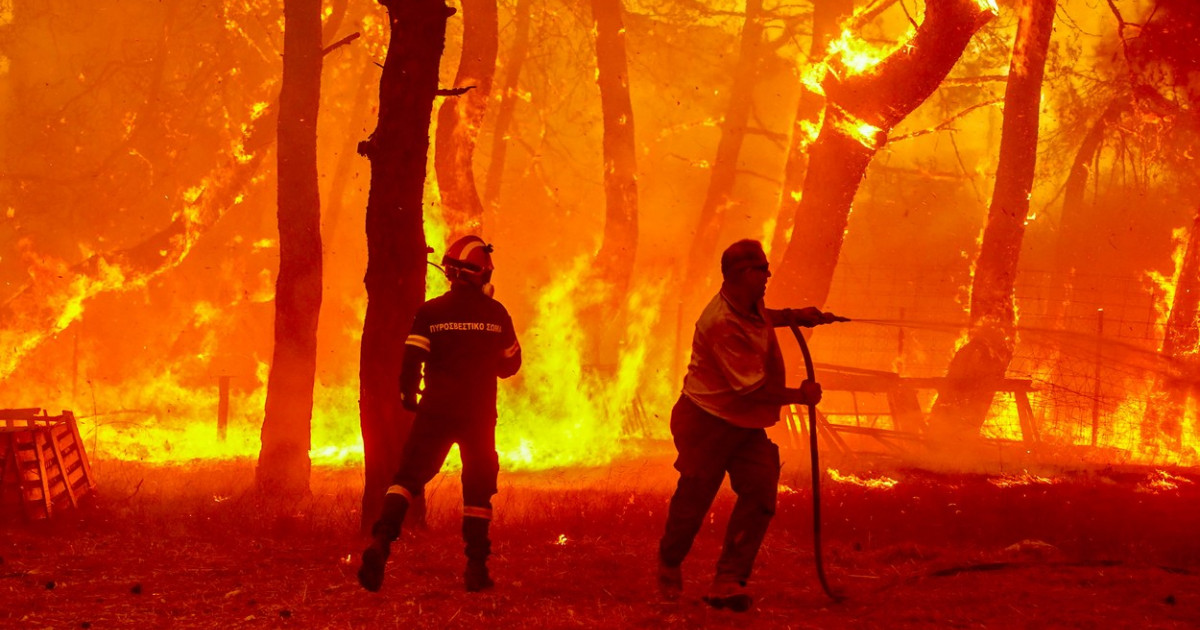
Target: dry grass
(191,546)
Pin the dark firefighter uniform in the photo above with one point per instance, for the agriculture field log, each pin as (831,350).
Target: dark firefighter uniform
(465,340)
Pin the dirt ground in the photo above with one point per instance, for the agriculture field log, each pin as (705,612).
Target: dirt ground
(188,546)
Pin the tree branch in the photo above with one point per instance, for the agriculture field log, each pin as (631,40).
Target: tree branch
(945,124)
(455,91)
(339,43)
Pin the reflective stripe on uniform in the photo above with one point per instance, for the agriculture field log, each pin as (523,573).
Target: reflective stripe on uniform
(512,350)
(400,490)
(470,511)
(418,341)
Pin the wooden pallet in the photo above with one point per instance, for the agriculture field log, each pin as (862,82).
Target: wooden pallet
(43,464)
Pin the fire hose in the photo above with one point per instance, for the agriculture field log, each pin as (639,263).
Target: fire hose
(816,463)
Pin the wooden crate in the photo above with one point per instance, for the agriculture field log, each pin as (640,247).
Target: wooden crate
(43,464)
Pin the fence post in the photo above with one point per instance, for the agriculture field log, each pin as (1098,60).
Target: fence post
(1096,389)
(222,406)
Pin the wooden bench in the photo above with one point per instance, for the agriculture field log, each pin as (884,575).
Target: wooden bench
(907,418)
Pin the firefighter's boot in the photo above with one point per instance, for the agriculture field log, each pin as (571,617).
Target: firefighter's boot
(478,548)
(385,530)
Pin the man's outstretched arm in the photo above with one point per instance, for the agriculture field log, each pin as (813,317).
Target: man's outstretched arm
(808,317)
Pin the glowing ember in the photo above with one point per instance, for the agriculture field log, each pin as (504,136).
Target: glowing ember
(863,132)
(876,483)
(1162,481)
(1024,479)
(849,54)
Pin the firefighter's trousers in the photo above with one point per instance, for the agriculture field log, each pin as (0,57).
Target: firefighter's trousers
(424,453)
(708,448)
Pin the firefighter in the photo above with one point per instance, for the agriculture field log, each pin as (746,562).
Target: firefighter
(733,390)
(465,339)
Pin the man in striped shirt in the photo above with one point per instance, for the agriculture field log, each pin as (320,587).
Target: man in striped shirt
(465,340)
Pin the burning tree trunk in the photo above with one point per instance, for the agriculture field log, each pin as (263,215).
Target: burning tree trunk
(1167,405)
(826,17)
(460,118)
(861,107)
(961,407)
(508,105)
(614,261)
(395,278)
(283,463)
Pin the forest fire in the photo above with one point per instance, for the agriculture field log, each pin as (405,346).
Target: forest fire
(222,219)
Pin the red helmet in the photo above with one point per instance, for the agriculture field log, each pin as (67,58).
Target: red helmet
(469,259)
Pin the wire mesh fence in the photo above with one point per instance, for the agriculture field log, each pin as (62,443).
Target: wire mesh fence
(1088,344)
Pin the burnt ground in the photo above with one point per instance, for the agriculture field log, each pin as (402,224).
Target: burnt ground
(188,546)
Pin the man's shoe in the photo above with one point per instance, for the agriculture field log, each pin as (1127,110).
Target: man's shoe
(370,574)
(476,577)
(670,582)
(729,596)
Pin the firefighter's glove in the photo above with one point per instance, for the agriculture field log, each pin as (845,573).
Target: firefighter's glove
(811,316)
(809,393)
(409,400)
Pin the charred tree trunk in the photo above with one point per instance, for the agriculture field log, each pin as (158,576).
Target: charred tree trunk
(961,407)
(283,464)
(1074,212)
(1072,250)
(614,261)
(1163,424)
(460,118)
(719,197)
(826,17)
(395,279)
(508,105)
(860,110)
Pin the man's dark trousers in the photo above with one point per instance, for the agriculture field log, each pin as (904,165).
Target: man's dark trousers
(708,448)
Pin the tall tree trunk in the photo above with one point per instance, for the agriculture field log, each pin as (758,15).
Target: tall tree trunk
(283,463)
(719,197)
(395,279)
(1072,249)
(880,97)
(460,118)
(508,105)
(826,17)
(961,407)
(614,261)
